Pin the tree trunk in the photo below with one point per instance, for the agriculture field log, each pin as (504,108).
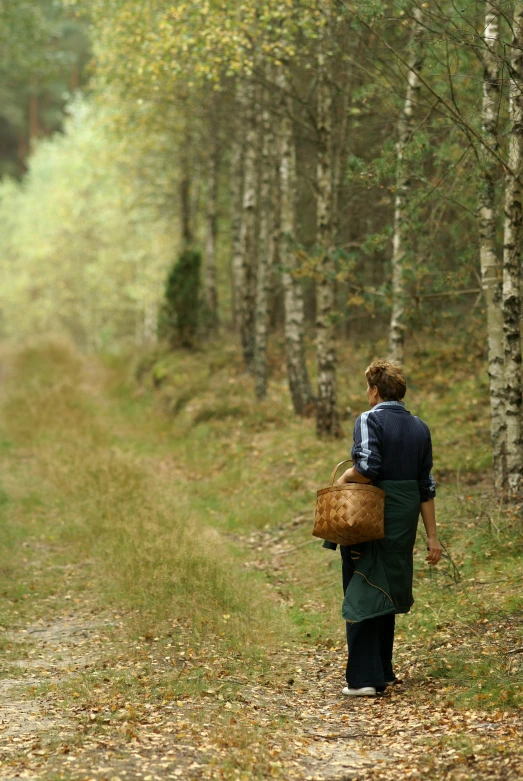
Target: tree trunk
(23,152)
(298,377)
(490,267)
(327,420)
(238,154)
(34,119)
(211,295)
(339,154)
(512,263)
(185,198)
(401,194)
(247,267)
(265,245)
(186,225)
(276,262)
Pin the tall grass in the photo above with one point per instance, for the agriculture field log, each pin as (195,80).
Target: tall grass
(100,501)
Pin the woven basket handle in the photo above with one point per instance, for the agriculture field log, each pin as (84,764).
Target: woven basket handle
(347,461)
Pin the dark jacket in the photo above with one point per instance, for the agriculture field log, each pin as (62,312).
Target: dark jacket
(394,449)
(392,444)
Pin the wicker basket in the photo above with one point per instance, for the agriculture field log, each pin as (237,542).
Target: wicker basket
(349,513)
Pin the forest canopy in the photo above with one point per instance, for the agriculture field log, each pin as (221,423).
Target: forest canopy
(341,167)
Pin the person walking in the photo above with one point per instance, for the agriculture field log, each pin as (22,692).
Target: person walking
(393,450)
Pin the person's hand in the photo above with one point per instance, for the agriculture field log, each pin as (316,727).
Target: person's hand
(434,549)
(352,476)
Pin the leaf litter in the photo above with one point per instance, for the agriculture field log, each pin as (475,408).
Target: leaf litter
(86,702)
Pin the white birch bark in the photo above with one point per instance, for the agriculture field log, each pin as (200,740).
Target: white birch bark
(211,295)
(490,266)
(276,218)
(265,257)
(512,264)
(237,165)
(401,194)
(248,237)
(298,377)
(327,419)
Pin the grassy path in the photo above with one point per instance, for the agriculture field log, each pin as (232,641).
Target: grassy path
(153,628)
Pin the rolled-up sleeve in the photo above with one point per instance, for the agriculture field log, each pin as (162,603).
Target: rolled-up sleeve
(427,484)
(366,450)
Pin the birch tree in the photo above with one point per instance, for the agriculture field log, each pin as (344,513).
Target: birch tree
(246,268)
(339,156)
(490,266)
(236,212)
(401,193)
(265,257)
(512,262)
(327,420)
(299,383)
(211,295)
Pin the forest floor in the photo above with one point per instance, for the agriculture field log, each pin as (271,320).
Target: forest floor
(115,665)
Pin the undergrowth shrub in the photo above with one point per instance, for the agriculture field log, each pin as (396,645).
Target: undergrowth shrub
(181,310)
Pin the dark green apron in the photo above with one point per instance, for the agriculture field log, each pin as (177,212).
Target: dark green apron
(382,580)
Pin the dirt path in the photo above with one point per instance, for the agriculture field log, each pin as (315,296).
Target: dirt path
(49,654)
(44,734)
(62,717)
(404,734)
(414,729)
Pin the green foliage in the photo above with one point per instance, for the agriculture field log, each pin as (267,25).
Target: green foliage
(84,246)
(166,48)
(180,313)
(44,49)
(86,241)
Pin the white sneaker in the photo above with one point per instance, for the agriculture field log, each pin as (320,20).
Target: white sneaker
(365,691)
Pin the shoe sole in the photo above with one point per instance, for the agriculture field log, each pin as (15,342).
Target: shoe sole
(356,693)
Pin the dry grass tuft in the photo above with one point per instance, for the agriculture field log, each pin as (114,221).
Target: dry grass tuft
(104,502)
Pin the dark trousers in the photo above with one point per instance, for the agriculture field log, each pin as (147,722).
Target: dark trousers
(369,642)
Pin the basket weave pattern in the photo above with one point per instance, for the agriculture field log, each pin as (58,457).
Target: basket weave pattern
(350,513)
